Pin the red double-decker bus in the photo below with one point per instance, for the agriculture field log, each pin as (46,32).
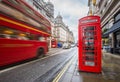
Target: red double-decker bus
(23,32)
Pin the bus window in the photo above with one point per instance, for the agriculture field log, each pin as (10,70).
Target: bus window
(4,36)
(41,38)
(8,33)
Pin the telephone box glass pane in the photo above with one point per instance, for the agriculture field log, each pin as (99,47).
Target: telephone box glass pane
(90,53)
(88,63)
(89,45)
(89,58)
(89,28)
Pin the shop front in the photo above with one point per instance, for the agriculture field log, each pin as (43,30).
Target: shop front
(114,40)
(117,42)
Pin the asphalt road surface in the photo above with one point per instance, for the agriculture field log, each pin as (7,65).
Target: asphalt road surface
(39,70)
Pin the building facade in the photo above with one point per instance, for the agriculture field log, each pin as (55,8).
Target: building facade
(44,8)
(71,37)
(59,31)
(63,34)
(109,11)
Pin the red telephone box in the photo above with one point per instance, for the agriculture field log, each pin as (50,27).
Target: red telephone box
(89,44)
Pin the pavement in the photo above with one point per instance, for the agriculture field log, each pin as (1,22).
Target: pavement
(111,66)
(110,71)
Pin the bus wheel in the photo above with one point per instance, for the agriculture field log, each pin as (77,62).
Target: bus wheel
(40,52)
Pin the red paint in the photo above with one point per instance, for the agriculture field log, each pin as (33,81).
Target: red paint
(18,27)
(20,8)
(13,53)
(13,50)
(54,43)
(89,54)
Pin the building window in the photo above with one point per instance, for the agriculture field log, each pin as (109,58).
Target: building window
(109,1)
(30,2)
(117,17)
(103,10)
(118,39)
(110,24)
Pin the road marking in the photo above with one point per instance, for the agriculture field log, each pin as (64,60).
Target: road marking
(63,70)
(11,68)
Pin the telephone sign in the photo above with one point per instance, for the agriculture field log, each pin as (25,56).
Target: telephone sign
(89,44)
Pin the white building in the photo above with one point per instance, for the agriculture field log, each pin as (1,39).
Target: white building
(63,34)
(59,31)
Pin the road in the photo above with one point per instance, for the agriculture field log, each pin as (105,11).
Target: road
(39,70)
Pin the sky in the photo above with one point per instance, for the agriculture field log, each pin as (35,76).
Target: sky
(71,11)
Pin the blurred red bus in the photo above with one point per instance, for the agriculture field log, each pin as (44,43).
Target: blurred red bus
(23,32)
(54,43)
